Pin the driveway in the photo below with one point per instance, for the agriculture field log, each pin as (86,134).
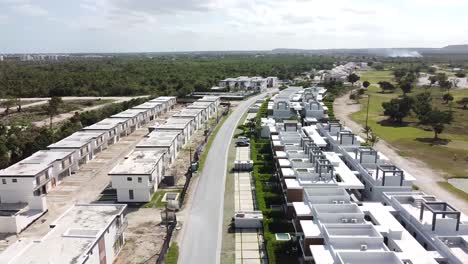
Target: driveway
(202,233)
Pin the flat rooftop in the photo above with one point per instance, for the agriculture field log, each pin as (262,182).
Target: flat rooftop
(74,235)
(24,170)
(148,105)
(190,111)
(139,162)
(77,140)
(106,124)
(129,113)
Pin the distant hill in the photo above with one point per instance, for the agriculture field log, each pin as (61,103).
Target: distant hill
(456,48)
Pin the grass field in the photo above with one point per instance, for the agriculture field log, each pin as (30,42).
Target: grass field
(413,140)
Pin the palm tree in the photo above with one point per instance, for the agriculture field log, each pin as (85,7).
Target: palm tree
(373,139)
(367,130)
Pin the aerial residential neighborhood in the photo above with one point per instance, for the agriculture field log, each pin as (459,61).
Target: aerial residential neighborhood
(233,132)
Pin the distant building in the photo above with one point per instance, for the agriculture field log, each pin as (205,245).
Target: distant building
(248,83)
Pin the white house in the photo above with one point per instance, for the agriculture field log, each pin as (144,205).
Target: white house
(114,127)
(135,118)
(183,125)
(167,140)
(154,108)
(86,233)
(192,113)
(83,144)
(136,178)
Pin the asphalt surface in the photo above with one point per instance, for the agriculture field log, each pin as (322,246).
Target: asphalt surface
(202,235)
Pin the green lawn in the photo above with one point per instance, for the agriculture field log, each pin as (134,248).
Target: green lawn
(157,197)
(172,254)
(411,139)
(454,190)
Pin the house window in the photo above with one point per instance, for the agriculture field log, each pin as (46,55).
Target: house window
(4,181)
(130,194)
(139,180)
(14,180)
(129,178)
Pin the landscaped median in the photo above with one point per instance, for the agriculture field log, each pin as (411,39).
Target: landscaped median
(268,192)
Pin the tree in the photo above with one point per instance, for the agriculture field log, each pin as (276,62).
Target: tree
(366,130)
(447,97)
(441,77)
(373,139)
(437,120)
(422,104)
(463,102)
(445,84)
(52,108)
(386,86)
(433,79)
(431,70)
(397,108)
(406,87)
(352,78)
(400,73)
(366,84)
(460,74)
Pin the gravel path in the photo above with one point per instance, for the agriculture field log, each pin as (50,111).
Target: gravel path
(426,177)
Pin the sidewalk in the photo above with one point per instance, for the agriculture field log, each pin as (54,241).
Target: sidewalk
(249,242)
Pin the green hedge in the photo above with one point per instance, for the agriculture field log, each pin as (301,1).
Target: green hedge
(268,193)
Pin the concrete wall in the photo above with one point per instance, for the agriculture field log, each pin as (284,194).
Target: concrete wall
(141,191)
(9,224)
(18,192)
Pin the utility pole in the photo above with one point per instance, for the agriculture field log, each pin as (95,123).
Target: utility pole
(190,160)
(367,117)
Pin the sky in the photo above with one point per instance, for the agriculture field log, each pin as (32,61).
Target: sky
(53,26)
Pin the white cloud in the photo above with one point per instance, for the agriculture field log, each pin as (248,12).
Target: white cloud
(30,10)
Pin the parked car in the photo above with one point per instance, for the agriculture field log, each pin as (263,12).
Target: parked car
(242,142)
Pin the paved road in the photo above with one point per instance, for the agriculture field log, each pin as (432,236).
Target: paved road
(202,234)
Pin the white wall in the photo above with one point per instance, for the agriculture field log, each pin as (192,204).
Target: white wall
(16,192)
(141,191)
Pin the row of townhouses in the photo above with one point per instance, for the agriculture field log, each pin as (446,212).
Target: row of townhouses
(305,104)
(249,83)
(85,233)
(137,177)
(350,204)
(24,185)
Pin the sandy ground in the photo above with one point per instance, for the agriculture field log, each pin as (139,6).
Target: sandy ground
(426,177)
(143,237)
(65,116)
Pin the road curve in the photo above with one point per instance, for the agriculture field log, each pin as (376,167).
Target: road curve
(202,237)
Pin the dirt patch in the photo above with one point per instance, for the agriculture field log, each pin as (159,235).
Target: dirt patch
(144,237)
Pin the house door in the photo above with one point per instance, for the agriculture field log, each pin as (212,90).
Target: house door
(54,183)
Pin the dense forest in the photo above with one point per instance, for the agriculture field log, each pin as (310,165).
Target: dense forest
(161,76)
